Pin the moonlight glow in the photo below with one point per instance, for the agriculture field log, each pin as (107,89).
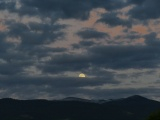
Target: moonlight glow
(82,75)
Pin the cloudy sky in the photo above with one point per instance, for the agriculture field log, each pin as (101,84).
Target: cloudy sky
(46,44)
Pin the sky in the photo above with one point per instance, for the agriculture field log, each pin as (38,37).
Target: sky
(46,44)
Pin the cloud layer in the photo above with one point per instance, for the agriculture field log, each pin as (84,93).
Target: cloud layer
(45,45)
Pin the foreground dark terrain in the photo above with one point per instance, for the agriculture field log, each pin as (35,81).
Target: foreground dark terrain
(131,108)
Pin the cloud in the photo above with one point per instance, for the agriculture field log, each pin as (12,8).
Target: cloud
(65,62)
(15,62)
(121,93)
(82,44)
(137,2)
(33,86)
(35,33)
(146,9)
(105,56)
(54,88)
(152,40)
(23,44)
(56,82)
(3,44)
(79,9)
(5,5)
(86,43)
(113,20)
(72,9)
(39,49)
(129,37)
(92,34)
(124,57)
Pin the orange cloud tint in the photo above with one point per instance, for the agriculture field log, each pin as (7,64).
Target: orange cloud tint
(94,16)
(111,31)
(140,41)
(2,27)
(140,29)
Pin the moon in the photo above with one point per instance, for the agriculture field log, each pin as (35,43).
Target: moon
(82,75)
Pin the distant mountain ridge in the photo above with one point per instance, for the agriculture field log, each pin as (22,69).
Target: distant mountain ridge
(84,100)
(132,108)
(134,97)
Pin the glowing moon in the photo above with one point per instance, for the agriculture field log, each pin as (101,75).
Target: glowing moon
(82,75)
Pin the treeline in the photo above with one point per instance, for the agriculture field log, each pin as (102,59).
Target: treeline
(154,115)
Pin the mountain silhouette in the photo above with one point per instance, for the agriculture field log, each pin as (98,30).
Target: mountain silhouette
(132,108)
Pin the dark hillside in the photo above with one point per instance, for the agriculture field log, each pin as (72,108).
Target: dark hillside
(131,108)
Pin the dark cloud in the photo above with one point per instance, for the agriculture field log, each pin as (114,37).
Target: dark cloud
(3,44)
(76,46)
(42,87)
(71,9)
(15,62)
(40,51)
(5,5)
(120,93)
(135,75)
(113,20)
(25,51)
(57,82)
(82,44)
(138,74)
(66,62)
(26,85)
(98,71)
(137,2)
(65,9)
(31,47)
(86,43)
(133,35)
(92,34)
(78,9)
(6,54)
(123,57)
(152,40)
(114,57)
(129,37)
(35,33)
(146,9)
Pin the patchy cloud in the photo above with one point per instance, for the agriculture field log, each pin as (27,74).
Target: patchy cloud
(152,40)
(73,9)
(39,33)
(113,20)
(92,34)
(45,45)
(123,57)
(146,9)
